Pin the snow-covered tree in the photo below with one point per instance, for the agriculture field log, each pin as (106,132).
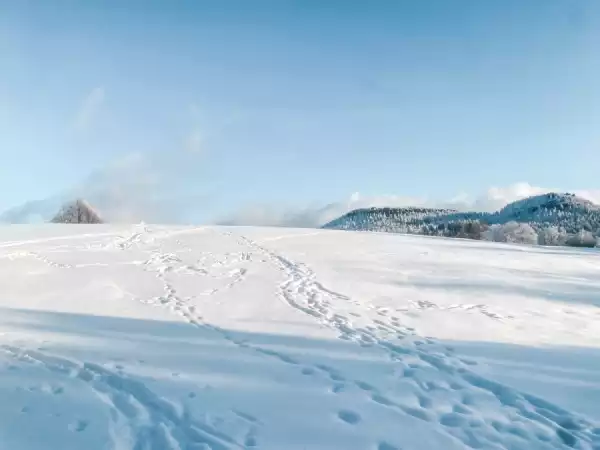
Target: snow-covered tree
(582,239)
(79,211)
(513,232)
(551,236)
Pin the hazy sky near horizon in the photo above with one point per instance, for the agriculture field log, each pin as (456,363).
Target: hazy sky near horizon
(218,107)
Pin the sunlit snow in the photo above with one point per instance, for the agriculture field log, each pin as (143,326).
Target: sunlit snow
(160,338)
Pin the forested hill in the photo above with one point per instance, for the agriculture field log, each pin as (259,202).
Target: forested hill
(565,214)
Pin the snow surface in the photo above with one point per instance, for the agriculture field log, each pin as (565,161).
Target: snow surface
(158,338)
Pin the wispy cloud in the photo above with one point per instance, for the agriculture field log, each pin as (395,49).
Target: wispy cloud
(132,188)
(89,109)
(151,186)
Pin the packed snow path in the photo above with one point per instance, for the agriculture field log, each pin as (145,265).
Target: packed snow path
(155,338)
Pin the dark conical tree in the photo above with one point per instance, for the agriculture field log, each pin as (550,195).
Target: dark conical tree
(78,211)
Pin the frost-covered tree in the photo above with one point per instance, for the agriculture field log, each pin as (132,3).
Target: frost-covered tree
(474,229)
(582,239)
(77,212)
(552,236)
(513,232)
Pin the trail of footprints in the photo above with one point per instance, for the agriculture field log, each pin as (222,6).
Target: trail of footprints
(189,312)
(482,309)
(130,399)
(154,423)
(416,357)
(517,414)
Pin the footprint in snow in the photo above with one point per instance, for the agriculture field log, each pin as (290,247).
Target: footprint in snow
(335,376)
(337,388)
(386,446)
(468,362)
(425,402)
(455,386)
(350,417)
(49,389)
(453,420)
(250,441)
(78,426)
(461,409)
(419,413)
(364,386)
(381,400)
(247,417)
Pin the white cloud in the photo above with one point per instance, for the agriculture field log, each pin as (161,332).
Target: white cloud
(498,197)
(89,109)
(592,195)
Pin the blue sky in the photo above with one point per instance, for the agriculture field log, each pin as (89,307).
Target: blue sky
(273,105)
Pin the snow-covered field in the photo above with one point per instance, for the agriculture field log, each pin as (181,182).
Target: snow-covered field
(159,338)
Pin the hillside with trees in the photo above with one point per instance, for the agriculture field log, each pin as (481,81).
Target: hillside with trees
(548,219)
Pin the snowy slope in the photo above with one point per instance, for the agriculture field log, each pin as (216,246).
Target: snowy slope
(238,338)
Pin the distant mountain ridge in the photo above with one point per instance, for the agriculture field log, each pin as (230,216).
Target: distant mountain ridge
(566,212)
